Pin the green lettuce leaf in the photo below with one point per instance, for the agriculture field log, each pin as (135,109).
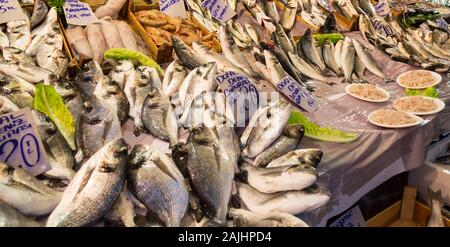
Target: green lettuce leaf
(122,54)
(316,132)
(334,37)
(429,91)
(49,102)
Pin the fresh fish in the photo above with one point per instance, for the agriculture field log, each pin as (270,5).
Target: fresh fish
(156,181)
(40,33)
(7,106)
(292,202)
(19,91)
(110,8)
(367,6)
(368,60)
(330,25)
(39,13)
(27,72)
(437,203)
(19,34)
(87,79)
(179,156)
(223,65)
(246,218)
(287,142)
(328,57)
(4,40)
(10,217)
(238,33)
(197,81)
(229,140)
(338,52)
(122,212)
(95,38)
(281,178)
(305,69)
(282,40)
(309,19)
(78,40)
(252,33)
(359,70)
(188,57)
(97,125)
(233,4)
(274,68)
(126,35)
(16,55)
(173,77)
(26,193)
(121,72)
(50,56)
(309,157)
(309,48)
(348,59)
(70,94)
(111,33)
(289,14)
(158,116)
(111,93)
(211,172)
(270,10)
(95,188)
(267,128)
(280,66)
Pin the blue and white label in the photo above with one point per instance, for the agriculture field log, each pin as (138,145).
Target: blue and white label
(20,145)
(442,24)
(297,94)
(382,8)
(352,218)
(219,9)
(10,10)
(78,13)
(173,8)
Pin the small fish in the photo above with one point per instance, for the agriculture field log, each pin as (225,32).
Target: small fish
(19,33)
(437,202)
(223,64)
(252,33)
(348,59)
(87,79)
(309,157)
(173,77)
(111,93)
(368,60)
(328,56)
(188,57)
(246,218)
(121,72)
(289,14)
(367,6)
(39,13)
(305,68)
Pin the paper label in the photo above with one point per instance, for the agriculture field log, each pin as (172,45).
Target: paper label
(219,9)
(78,13)
(20,145)
(10,10)
(442,24)
(382,8)
(297,94)
(173,8)
(352,218)
(384,30)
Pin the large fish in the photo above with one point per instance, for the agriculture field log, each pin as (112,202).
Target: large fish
(111,93)
(70,94)
(50,56)
(246,218)
(86,79)
(40,33)
(309,157)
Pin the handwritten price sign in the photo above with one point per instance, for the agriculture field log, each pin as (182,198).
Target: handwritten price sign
(173,8)
(78,13)
(382,8)
(20,146)
(10,10)
(297,94)
(219,9)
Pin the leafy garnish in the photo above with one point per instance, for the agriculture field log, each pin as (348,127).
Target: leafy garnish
(58,5)
(124,54)
(334,37)
(429,91)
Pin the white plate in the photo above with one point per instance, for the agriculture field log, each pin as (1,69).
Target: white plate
(419,120)
(347,90)
(435,75)
(439,103)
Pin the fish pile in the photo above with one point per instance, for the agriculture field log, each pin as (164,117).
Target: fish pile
(312,13)
(160,27)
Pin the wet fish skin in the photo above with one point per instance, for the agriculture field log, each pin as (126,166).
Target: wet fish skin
(158,184)
(368,60)
(50,56)
(180,157)
(39,12)
(19,33)
(338,52)
(28,72)
(288,141)
(305,68)
(111,92)
(95,38)
(228,138)
(367,6)
(348,59)
(10,217)
(77,38)
(359,70)
(310,156)
(4,40)
(11,53)
(7,106)
(173,77)
(437,202)
(252,33)
(188,57)
(282,40)
(289,15)
(328,55)
(86,81)
(123,210)
(70,94)
(95,188)
(197,81)
(246,218)
(17,90)
(308,48)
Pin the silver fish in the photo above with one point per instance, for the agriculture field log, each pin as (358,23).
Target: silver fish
(223,64)
(229,140)
(19,33)
(26,193)
(16,55)
(156,181)
(10,217)
(95,188)
(87,79)
(292,202)
(338,52)
(288,141)
(122,213)
(197,81)
(267,127)
(289,15)
(368,60)
(7,106)
(359,70)
(173,77)
(39,13)
(246,218)
(309,157)
(328,57)
(252,33)
(282,40)
(188,57)
(274,68)
(111,92)
(27,72)
(437,202)
(305,68)
(19,91)
(367,6)
(310,49)
(271,10)
(70,94)
(348,59)
(121,72)
(211,172)
(49,54)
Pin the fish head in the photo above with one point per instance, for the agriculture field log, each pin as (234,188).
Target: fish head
(95,111)
(207,71)
(91,71)
(310,156)
(317,189)
(107,86)
(65,88)
(202,135)
(294,130)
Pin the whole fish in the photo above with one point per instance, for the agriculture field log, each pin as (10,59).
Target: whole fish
(126,35)
(274,68)
(70,94)
(286,64)
(111,92)
(16,55)
(188,57)
(328,57)
(288,141)
(305,69)
(197,81)
(26,193)
(289,14)
(308,46)
(19,91)
(158,117)
(229,140)
(282,40)
(156,181)
(111,33)
(7,106)
(95,188)
(110,8)
(292,202)
(338,53)
(27,72)
(252,33)
(122,213)
(239,35)
(121,72)
(50,56)
(76,36)
(270,10)
(267,127)
(40,33)
(210,171)
(309,157)
(359,70)
(348,59)
(97,125)
(150,74)
(437,202)
(368,60)
(367,6)
(86,79)
(223,64)
(95,38)
(10,217)
(246,218)
(19,33)
(4,40)
(39,13)
(173,77)
(281,178)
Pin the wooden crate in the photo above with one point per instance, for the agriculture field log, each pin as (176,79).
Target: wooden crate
(345,24)
(392,214)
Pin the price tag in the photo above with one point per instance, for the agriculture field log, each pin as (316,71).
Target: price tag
(78,13)
(20,145)
(382,8)
(219,9)
(352,218)
(10,10)
(442,24)
(297,94)
(383,29)
(173,8)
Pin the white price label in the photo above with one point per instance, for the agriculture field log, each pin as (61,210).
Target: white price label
(297,94)
(10,10)
(219,9)
(382,8)
(20,145)
(173,8)
(352,218)
(78,13)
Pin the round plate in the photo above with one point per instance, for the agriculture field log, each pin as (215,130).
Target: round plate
(435,75)
(419,120)
(347,90)
(439,103)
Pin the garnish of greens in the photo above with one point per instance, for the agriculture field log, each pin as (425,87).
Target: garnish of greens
(334,37)
(58,5)
(316,132)
(429,91)
(48,101)
(125,54)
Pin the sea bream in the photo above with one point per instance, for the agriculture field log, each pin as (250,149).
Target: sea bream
(39,13)
(39,33)
(19,91)
(111,92)
(50,56)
